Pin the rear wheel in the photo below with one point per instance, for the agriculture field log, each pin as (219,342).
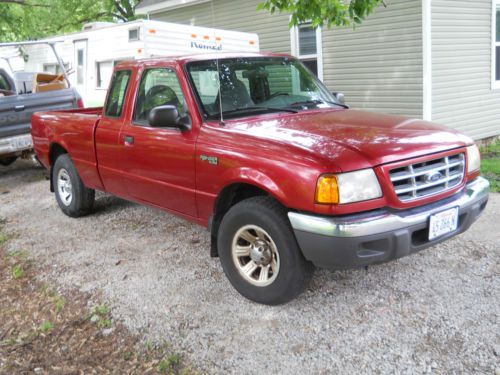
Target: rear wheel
(259,253)
(73,197)
(8,161)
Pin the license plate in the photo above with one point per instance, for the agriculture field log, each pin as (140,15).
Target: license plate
(22,143)
(443,222)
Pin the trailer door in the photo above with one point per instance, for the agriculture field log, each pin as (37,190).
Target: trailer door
(81,66)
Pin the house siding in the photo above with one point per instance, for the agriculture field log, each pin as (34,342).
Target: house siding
(379,68)
(379,65)
(462,96)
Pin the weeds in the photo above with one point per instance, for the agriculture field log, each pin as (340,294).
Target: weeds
(169,365)
(99,314)
(46,326)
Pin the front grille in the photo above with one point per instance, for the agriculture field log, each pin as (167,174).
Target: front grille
(431,177)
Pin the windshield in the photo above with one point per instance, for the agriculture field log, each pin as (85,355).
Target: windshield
(250,84)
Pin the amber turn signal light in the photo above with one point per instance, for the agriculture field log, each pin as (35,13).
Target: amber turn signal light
(327,190)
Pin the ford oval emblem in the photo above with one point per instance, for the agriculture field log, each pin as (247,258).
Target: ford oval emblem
(433,177)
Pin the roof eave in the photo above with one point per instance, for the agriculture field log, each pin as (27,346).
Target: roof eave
(166,5)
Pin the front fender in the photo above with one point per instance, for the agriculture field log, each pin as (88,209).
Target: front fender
(245,175)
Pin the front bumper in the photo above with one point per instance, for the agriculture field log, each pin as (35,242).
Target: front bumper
(380,236)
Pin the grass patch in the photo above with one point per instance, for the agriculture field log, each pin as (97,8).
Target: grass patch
(490,164)
(17,271)
(65,338)
(3,238)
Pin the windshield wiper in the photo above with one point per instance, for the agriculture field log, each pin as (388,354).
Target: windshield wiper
(316,102)
(253,109)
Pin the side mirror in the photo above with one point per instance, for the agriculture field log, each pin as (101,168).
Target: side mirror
(165,116)
(340,97)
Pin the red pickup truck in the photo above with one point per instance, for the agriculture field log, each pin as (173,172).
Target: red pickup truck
(280,171)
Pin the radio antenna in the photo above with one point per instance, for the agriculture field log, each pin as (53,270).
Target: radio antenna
(221,120)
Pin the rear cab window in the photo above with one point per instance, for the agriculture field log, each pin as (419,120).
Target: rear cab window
(117,93)
(4,83)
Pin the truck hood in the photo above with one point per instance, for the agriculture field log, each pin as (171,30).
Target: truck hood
(354,139)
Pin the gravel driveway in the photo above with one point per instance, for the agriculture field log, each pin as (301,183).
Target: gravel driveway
(436,311)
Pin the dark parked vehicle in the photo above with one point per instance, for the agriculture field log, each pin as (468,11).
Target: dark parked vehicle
(17,105)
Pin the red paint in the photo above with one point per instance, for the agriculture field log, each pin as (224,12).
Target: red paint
(283,154)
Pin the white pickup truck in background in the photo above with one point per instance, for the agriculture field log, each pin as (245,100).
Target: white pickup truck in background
(21,95)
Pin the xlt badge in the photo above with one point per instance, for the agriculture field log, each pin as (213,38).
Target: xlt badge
(214,160)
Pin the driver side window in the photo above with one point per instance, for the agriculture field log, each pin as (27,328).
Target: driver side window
(159,86)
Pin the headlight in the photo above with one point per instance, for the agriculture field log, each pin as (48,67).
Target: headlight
(473,159)
(348,187)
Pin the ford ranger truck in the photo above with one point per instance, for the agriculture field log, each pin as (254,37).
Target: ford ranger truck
(255,148)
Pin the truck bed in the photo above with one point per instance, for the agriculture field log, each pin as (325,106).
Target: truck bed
(71,129)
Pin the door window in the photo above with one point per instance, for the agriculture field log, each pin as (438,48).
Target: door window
(159,86)
(118,90)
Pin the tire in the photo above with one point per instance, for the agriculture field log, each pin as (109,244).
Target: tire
(74,199)
(8,161)
(259,253)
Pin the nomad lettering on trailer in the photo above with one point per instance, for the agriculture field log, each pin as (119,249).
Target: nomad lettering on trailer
(206,46)
(211,159)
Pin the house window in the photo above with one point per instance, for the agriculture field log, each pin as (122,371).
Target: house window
(496,52)
(133,35)
(307,46)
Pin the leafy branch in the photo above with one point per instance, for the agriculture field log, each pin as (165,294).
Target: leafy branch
(323,12)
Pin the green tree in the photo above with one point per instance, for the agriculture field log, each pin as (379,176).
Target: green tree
(35,19)
(323,12)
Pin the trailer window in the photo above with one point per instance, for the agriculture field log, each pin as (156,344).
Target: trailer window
(133,35)
(117,92)
(54,68)
(159,86)
(104,72)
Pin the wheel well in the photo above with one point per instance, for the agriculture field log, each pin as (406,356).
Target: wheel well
(228,197)
(56,150)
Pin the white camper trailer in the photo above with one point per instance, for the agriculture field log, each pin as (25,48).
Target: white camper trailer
(89,56)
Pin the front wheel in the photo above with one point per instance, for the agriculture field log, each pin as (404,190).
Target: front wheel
(73,197)
(259,253)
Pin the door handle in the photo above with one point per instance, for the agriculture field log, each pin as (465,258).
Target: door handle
(128,140)
(19,108)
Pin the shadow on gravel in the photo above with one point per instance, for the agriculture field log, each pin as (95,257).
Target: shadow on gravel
(20,172)
(106,204)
